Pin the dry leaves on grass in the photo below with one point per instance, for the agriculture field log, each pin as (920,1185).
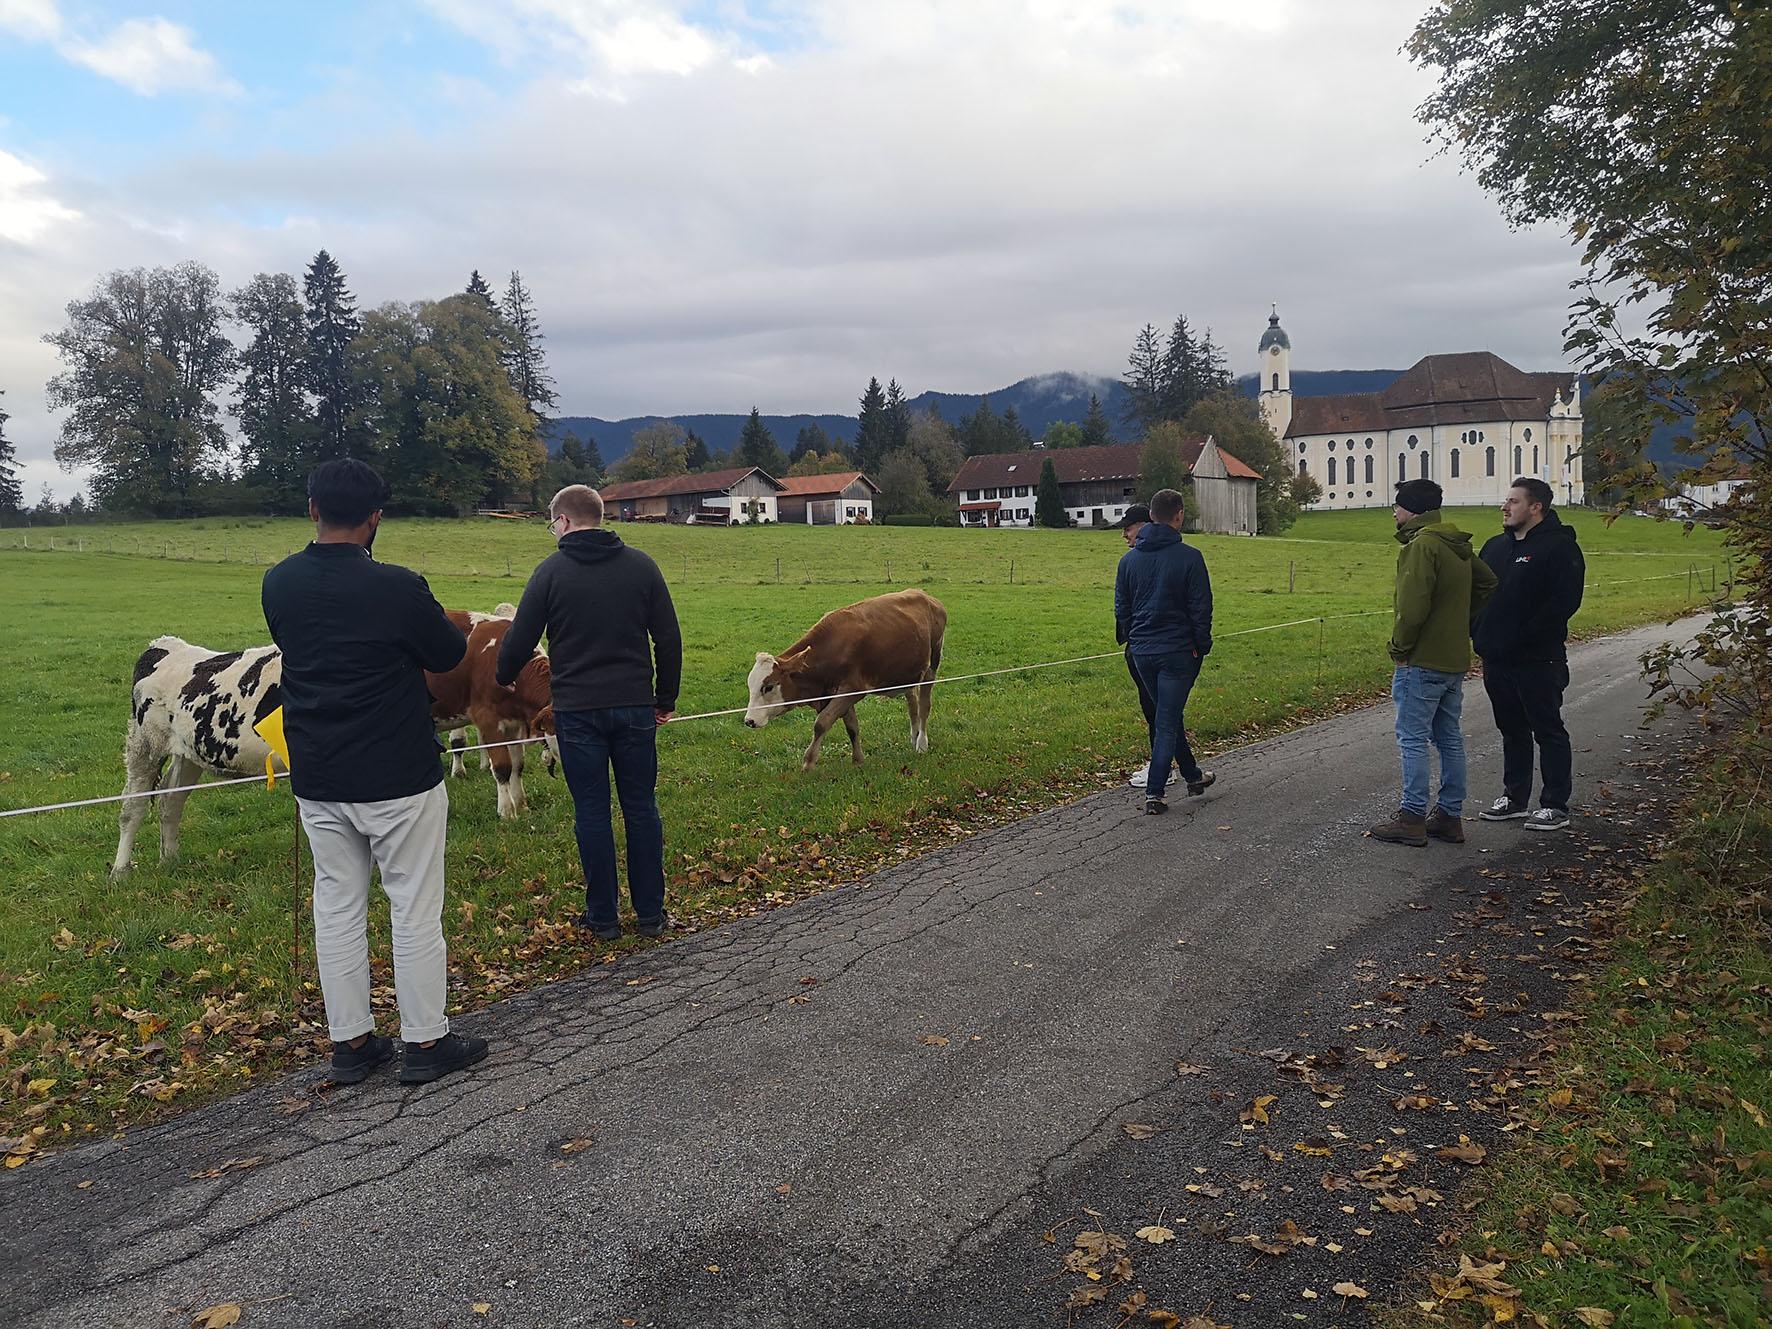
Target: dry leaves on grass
(1465,1151)
(1593,1315)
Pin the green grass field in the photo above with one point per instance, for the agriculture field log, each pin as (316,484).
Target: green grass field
(177,983)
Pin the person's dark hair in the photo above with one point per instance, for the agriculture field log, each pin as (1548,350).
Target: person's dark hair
(1537,491)
(345,492)
(1166,505)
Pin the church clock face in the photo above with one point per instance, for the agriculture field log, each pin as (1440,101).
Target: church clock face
(1273,350)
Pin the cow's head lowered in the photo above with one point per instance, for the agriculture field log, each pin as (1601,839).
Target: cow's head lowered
(774,687)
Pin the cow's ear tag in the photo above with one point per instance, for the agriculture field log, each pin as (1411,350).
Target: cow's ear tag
(271,730)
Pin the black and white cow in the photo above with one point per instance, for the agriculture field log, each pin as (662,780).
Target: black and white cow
(191,711)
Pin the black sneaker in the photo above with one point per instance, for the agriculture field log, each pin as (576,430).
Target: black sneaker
(352,1065)
(452,1052)
(652,927)
(1155,807)
(1197,787)
(1505,809)
(601,931)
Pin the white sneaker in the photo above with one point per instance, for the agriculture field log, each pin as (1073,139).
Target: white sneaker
(1141,777)
(1548,819)
(1504,809)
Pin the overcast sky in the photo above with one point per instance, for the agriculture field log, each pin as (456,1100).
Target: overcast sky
(743,202)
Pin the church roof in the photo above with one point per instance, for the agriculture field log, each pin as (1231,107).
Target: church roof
(1469,387)
(1275,334)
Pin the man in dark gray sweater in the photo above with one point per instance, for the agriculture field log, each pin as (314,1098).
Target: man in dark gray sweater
(609,622)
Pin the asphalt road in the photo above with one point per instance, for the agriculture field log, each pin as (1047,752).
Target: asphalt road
(870,1106)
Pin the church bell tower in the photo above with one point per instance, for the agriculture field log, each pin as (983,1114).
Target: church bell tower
(1275,373)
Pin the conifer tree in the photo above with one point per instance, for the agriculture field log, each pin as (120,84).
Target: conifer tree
(527,365)
(339,391)
(898,416)
(1096,430)
(1144,380)
(477,285)
(757,447)
(695,451)
(12,494)
(873,437)
(1049,499)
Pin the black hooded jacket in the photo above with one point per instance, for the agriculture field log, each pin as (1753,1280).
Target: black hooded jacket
(1541,577)
(607,613)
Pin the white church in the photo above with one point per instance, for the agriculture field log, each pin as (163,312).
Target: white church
(1471,421)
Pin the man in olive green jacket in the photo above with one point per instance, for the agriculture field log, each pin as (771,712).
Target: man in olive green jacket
(1440,587)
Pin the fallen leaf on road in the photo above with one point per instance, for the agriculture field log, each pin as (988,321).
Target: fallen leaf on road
(217,1317)
(1349,1290)
(1155,1235)
(1309,1294)
(583,1142)
(1086,1296)
(1138,1130)
(1257,1111)
(1465,1151)
(232,1165)
(1188,1068)
(482,1307)
(934,1040)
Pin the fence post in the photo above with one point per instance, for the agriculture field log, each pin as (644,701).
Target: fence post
(1291,576)
(1322,636)
(1012,572)
(778,568)
(889,570)
(1688,583)
(507,565)
(1729,566)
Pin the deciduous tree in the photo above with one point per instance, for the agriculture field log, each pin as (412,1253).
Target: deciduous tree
(658,450)
(143,361)
(272,404)
(1234,422)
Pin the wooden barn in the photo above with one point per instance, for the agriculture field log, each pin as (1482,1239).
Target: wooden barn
(1098,485)
(843,498)
(731,497)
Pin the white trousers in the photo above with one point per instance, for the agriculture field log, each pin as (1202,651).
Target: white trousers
(404,837)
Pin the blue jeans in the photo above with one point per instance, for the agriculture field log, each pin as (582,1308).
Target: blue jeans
(591,742)
(1169,678)
(1429,704)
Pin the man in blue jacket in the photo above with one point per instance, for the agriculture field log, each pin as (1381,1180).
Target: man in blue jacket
(1163,610)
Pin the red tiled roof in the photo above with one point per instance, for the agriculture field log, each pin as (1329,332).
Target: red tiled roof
(810,486)
(1075,466)
(708,482)
(1468,387)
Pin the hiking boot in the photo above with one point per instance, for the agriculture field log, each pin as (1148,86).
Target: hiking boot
(1405,828)
(1155,807)
(352,1065)
(601,931)
(1197,787)
(452,1052)
(652,927)
(1442,825)
(1548,819)
(1504,809)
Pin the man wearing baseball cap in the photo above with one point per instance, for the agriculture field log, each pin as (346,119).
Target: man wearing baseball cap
(1129,526)
(1440,586)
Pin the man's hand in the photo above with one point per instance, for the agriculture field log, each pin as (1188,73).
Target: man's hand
(662,717)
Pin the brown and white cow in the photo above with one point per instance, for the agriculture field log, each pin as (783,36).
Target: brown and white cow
(469,694)
(191,710)
(890,641)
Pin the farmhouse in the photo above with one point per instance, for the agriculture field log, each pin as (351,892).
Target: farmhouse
(844,498)
(1702,500)
(1098,484)
(1470,421)
(730,497)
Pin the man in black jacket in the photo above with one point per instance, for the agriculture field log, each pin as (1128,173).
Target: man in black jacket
(1521,638)
(356,637)
(1136,518)
(1163,607)
(607,614)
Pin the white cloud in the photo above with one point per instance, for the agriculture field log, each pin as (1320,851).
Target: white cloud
(151,56)
(26,211)
(34,20)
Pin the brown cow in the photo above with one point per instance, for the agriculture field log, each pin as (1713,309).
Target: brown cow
(890,641)
(468,694)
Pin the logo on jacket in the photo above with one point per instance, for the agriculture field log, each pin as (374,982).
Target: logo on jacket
(1524,558)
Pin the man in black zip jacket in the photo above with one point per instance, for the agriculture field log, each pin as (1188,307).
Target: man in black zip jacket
(356,638)
(1521,637)
(608,618)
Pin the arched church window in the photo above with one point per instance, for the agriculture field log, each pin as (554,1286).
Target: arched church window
(1535,461)
(1303,466)
(1332,468)
(1413,441)
(1528,433)
(1424,466)
(1402,466)
(1454,461)
(1516,459)
(1332,445)
(1368,467)
(1488,461)
(1301,449)
(1276,382)
(1368,442)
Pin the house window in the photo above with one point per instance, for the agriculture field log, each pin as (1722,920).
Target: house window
(1454,460)
(1368,466)
(1424,466)
(1516,460)
(1021,491)
(990,493)
(1488,461)
(1332,469)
